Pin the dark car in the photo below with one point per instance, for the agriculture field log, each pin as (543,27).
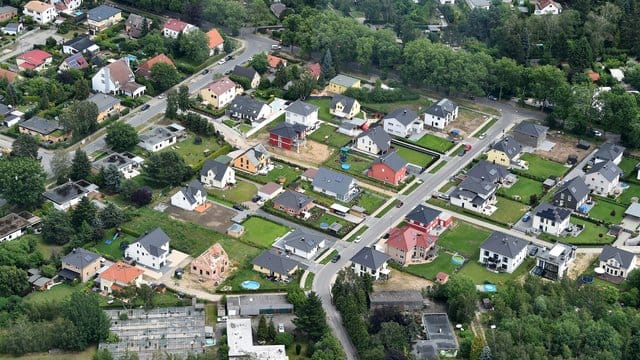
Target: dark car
(229,57)
(255,198)
(399,204)
(335,259)
(492,98)
(145,107)
(533,251)
(205,71)
(238,207)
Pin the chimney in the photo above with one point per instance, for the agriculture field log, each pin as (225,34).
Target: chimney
(405,111)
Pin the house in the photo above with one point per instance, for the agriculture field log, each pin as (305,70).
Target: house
(275,265)
(428,220)
(302,243)
(191,197)
(603,178)
(117,78)
(135,25)
(288,136)
(150,250)
(107,105)
(572,194)
(79,44)
(174,27)
(374,141)
(41,12)
(144,69)
(404,300)
(256,304)
(75,61)
(12,118)
(441,340)
(240,342)
(475,194)
(275,61)
(14,225)
(157,139)
(45,129)
(69,194)
(235,230)
(66,6)
(408,245)
(334,184)
(389,168)
(213,264)
(216,174)
(551,219)
(369,261)
(256,160)
(80,264)
(216,42)
(13,28)
(277,9)
(103,16)
(314,70)
(249,73)
(485,170)
(309,174)
(302,113)
(502,252)
(7,13)
(530,134)
(269,191)
(344,106)
(36,60)
(244,107)
(118,276)
(553,263)
(126,163)
(440,114)
(442,278)
(402,122)
(37,281)
(219,93)
(616,262)
(633,211)
(608,152)
(547,7)
(293,203)
(10,76)
(340,83)
(504,151)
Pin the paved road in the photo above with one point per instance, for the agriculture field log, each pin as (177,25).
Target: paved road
(26,41)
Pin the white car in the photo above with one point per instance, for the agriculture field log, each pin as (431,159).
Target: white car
(222,61)
(276,47)
(281,327)
(358,239)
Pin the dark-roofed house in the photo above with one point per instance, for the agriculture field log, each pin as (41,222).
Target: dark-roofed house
(157,139)
(288,136)
(475,194)
(608,152)
(344,106)
(617,263)
(275,265)
(441,339)
(14,225)
(572,194)
(551,219)
(191,197)
(13,28)
(406,300)
(389,168)
(47,130)
(302,243)
(371,262)
(440,114)
(150,250)
(127,163)
(258,304)
(428,219)
(293,202)
(107,105)
(485,170)
(300,112)
(103,16)
(134,26)
(80,264)
(244,107)
(249,73)
(504,151)
(69,194)
(79,44)
(256,160)
(502,252)
(217,174)
(553,263)
(530,134)
(75,61)
(374,141)
(340,186)
(402,122)
(603,178)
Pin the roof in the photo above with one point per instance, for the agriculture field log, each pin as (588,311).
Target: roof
(270,188)
(65,192)
(310,173)
(347,102)
(247,106)
(7,9)
(485,170)
(504,244)
(292,200)
(370,258)
(37,6)
(274,262)
(274,61)
(9,75)
(103,101)
(145,68)
(215,39)
(255,152)
(79,258)
(302,108)
(531,129)
(288,131)
(34,57)
(633,210)
(118,160)
(212,255)
(153,241)
(278,8)
(608,169)
(40,125)
(381,138)
(175,25)
(76,61)
(218,168)
(11,223)
(332,181)
(407,238)
(80,43)
(314,69)
(102,12)
(404,115)
(191,190)
(608,151)
(476,186)
(120,72)
(423,214)
(344,80)
(135,20)
(302,240)
(121,273)
(576,187)
(392,160)
(221,86)
(623,257)
(553,213)
(510,146)
(442,108)
(156,135)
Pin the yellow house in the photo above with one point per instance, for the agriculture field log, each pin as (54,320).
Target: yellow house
(271,264)
(107,105)
(103,16)
(504,151)
(341,83)
(344,107)
(255,160)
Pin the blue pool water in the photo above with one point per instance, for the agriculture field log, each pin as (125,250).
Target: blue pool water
(250,285)
(489,288)
(624,186)
(78,13)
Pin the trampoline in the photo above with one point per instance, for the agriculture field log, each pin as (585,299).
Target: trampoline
(583,209)
(586,279)
(624,186)
(250,285)
(324,226)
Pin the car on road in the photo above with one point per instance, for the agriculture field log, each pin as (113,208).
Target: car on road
(526,217)
(145,107)
(482,136)
(239,207)
(335,258)
(492,98)
(276,47)
(462,152)
(222,61)
(228,57)
(205,71)
(597,133)
(281,328)
(227,72)
(160,96)
(358,239)
(399,204)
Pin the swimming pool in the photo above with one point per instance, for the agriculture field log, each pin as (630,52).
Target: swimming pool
(490,288)
(78,13)
(250,285)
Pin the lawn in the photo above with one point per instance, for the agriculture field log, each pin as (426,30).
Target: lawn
(330,219)
(523,188)
(543,168)
(244,128)
(603,208)
(479,274)
(436,168)
(464,238)
(359,163)
(447,186)
(87,354)
(240,275)
(324,105)
(329,257)
(112,251)
(262,232)
(434,143)
(370,201)
(591,235)
(509,211)
(358,233)
(242,191)
(428,271)
(271,125)
(281,170)
(418,105)
(628,165)
(627,194)
(414,157)
(485,128)
(54,295)
(308,283)
(413,187)
(327,134)
(195,154)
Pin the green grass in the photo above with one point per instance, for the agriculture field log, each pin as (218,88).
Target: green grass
(602,211)
(327,134)
(542,167)
(447,186)
(429,271)
(485,128)
(242,191)
(437,168)
(56,294)
(413,187)
(329,257)
(358,233)
(370,201)
(464,239)
(434,143)
(240,275)
(418,105)
(288,172)
(414,157)
(86,354)
(627,194)
(524,188)
(388,208)
(244,128)
(195,154)
(262,232)
(509,211)
(330,219)
(479,274)
(112,251)
(308,283)
(628,166)
(359,163)
(324,105)
(589,236)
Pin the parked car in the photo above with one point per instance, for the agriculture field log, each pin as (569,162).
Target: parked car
(492,98)
(276,47)
(533,251)
(255,199)
(399,204)
(205,71)
(335,258)
(526,217)
(482,136)
(145,107)
(358,239)
(239,207)
(281,327)
(222,61)
(228,57)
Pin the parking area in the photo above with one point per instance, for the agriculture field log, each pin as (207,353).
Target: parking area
(216,217)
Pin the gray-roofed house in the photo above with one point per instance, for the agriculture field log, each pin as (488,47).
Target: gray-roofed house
(12,226)
(374,141)
(504,151)
(75,61)
(150,250)
(440,114)
(572,194)
(402,122)
(551,219)
(102,17)
(217,174)
(341,83)
(244,107)
(47,130)
(302,243)
(7,13)
(13,28)
(134,26)
(340,186)
(344,106)
(191,197)
(107,105)
(256,160)
(427,219)
(603,178)
(157,139)
(530,134)
(258,304)
(277,9)
(369,261)
(503,252)
(389,168)
(127,163)
(608,152)
(80,264)
(633,210)
(249,73)
(441,339)
(616,263)
(293,203)
(300,112)
(69,194)
(80,44)
(553,263)
(485,170)
(288,136)
(275,265)
(475,194)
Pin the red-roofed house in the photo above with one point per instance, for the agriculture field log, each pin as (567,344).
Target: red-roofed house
(547,7)
(118,276)
(37,60)
(408,245)
(219,93)
(315,70)
(173,27)
(216,42)
(9,75)
(274,61)
(144,69)
(442,278)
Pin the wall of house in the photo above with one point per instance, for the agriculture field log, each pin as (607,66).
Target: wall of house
(498,157)
(141,256)
(11,236)
(281,142)
(365,143)
(86,273)
(243,163)
(385,174)
(551,227)
(505,264)
(599,185)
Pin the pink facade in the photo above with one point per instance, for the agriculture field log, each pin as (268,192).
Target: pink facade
(213,264)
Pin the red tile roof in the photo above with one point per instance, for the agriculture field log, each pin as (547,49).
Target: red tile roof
(121,273)
(175,25)
(144,69)
(215,39)
(594,76)
(6,74)
(407,238)
(274,61)
(314,70)
(221,86)
(442,277)
(33,58)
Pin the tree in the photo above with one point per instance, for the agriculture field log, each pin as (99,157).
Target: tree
(80,166)
(154,43)
(81,118)
(193,45)
(330,346)
(580,54)
(184,103)
(84,212)
(60,166)
(167,168)
(142,196)
(259,63)
(103,354)
(22,182)
(460,292)
(476,348)
(393,336)
(111,216)
(13,281)
(83,310)
(50,42)
(311,318)
(111,178)
(43,101)
(283,338)
(122,136)
(263,332)
(25,146)
(81,89)
(57,228)
(171,110)
(486,353)
(164,76)
(326,67)
(271,331)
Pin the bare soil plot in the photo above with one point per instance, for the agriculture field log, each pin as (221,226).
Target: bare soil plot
(216,217)
(311,152)
(580,265)
(467,121)
(565,146)
(400,280)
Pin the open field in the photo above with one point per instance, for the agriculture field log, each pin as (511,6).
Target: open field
(523,188)
(281,170)
(262,232)
(542,167)
(194,154)
(464,238)
(418,105)
(509,211)
(55,294)
(434,143)
(414,157)
(242,191)
(428,271)
(565,145)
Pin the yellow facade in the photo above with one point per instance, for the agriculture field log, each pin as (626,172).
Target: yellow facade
(498,157)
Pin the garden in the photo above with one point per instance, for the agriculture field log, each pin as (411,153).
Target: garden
(607,211)
(509,211)
(280,171)
(442,263)
(543,168)
(241,192)
(112,249)
(434,143)
(414,157)
(358,164)
(327,134)
(523,188)
(324,104)
(463,238)
(261,232)
(592,234)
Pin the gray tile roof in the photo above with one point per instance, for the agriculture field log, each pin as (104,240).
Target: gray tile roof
(274,262)
(347,102)
(442,108)
(423,214)
(218,168)
(255,152)
(370,258)
(278,8)
(344,80)
(247,72)
(485,170)
(191,190)
(7,9)
(80,43)
(246,106)
(153,241)
(80,258)
(292,200)
(393,160)
(65,192)
(504,244)
(288,131)
(531,129)
(118,160)
(575,187)
(379,137)
(40,125)
(633,210)
(333,181)
(608,151)
(102,13)
(607,169)
(103,101)
(509,146)
(302,108)
(302,240)
(552,212)
(4,109)
(476,186)
(623,257)
(403,115)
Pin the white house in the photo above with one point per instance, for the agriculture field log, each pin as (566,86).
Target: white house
(190,196)
(157,139)
(369,261)
(13,225)
(608,152)
(300,112)
(40,12)
(402,122)
(553,263)
(374,141)
(551,219)
(301,243)
(603,178)
(117,78)
(67,6)
(217,174)
(547,7)
(617,262)
(440,114)
(174,27)
(447,2)
(502,252)
(476,195)
(150,250)
(68,195)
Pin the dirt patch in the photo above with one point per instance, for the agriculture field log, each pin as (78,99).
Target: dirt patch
(580,265)
(467,122)
(399,280)
(216,217)
(312,153)
(565,146)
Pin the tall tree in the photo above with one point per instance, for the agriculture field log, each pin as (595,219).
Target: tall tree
(57,228)
(22,182)
(84,212)
(111,216)
(184,103)
(193,45)
(171,110)
(311,318)
(476,348)
(263,332)
(111,178)
(167,168)
(80,166)
(13,281)
(164,76)
(83,309)
(25,146)
(60,166)
(259,63)
(327,69)
(81,118)
(122,136)
(486,353)
(81,89)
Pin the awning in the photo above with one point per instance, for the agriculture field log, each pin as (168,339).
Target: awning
(68,274)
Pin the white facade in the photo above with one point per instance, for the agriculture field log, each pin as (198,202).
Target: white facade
(504,263)
(40,12)
(153,147)
(467,203)
(310,121)
(447,2)
(226,97)
(69,204)
(394,127)
(375,274)
(600,185)
(138,253)
(181,200)
(549,226)
(173,34)
(366,144)
(305,254)
(550,9)
(228,178)
(612,267)
(13,235)
(440,122)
